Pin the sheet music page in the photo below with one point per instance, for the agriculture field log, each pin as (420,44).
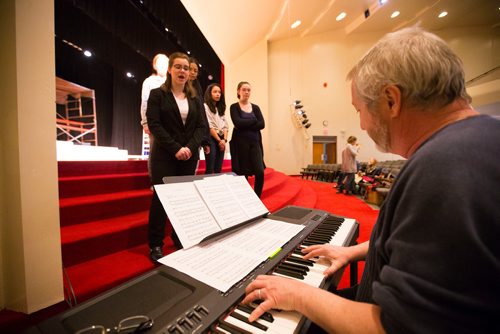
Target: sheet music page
(221,202)
(246,196)
(226,260)
(187,212)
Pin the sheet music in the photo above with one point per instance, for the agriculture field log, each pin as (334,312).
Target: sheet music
(203,207)
(249,201)
(226,260)
(187,212)
(221,202)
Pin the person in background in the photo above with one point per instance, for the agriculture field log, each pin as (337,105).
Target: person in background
(247,157)
(349,166)
(433,261)
(175,119)
(215,106)
(155,80)
(194,68)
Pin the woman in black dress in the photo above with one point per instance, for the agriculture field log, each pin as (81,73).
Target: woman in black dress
(247,157)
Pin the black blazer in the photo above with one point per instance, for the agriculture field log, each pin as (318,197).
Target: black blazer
(165,123)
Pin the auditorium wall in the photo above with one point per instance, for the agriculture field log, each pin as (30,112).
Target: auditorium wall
(313,69)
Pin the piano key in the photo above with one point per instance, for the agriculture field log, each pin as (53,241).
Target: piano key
(247,327)
(289,273)
(249,309)
(279,323)
(244,318)
(232,329)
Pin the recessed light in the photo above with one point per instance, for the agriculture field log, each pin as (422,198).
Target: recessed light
(296,24)
(442,14)
(166,29)
(129,75)
(188,52)
(87,53)
(341,16)
(395,14)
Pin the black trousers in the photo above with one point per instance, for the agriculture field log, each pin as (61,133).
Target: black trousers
(157,215)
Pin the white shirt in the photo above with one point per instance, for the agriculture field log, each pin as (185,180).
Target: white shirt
(215,121)
(151,82)
(183,108)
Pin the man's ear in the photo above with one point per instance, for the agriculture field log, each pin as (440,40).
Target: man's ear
(392,95)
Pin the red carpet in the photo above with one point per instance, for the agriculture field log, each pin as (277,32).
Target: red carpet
(104,210)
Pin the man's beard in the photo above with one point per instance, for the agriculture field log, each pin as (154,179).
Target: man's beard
(380,134)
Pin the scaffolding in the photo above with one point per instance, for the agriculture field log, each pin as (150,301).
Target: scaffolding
(76,119)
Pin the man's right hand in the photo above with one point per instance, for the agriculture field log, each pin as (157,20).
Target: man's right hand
(146,129)
(337,255)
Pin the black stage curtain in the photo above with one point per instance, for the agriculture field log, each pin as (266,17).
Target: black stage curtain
(123,36)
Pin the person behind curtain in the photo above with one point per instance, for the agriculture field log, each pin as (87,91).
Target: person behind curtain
(175,119)
(215,106)
(432,264)
(194,66)
(155,80)
(247,157)
(349,166)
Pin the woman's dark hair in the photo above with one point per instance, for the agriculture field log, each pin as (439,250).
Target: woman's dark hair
(167,86)
(219,106)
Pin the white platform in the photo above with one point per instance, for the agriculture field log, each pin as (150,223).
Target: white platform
(67,151)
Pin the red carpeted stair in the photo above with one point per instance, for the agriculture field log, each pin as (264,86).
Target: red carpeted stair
(104,211)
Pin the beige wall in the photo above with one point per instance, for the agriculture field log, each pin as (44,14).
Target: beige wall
(31,274)
(299,67)
(251,66)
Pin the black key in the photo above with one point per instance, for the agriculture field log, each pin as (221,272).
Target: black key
(288,273)
(284,266)
(295,259)
(232,328)
(295,267)
(245,319)
(249,309)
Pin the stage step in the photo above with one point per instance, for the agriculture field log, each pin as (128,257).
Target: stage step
(68,151)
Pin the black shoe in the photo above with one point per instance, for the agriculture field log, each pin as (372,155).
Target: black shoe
(339,191)
(155,254)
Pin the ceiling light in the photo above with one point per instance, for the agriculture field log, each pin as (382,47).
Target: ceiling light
(295,24)
(341,16)
(442,14)
(87,53)
(395,14)
(129,75)
(188,52)
(166,29)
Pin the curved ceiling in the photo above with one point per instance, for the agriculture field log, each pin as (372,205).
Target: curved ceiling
(233,26)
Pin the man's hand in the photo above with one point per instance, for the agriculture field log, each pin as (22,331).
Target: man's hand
(338,256)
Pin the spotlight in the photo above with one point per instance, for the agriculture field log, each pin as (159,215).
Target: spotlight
(307,125)
(87,53)
(129,75)
(299,112)
(305,121)
(298,106)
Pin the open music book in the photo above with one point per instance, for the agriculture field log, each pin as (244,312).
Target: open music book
(202,208)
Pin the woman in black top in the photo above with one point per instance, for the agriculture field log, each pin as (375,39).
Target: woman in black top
(247,157)
(176,120)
